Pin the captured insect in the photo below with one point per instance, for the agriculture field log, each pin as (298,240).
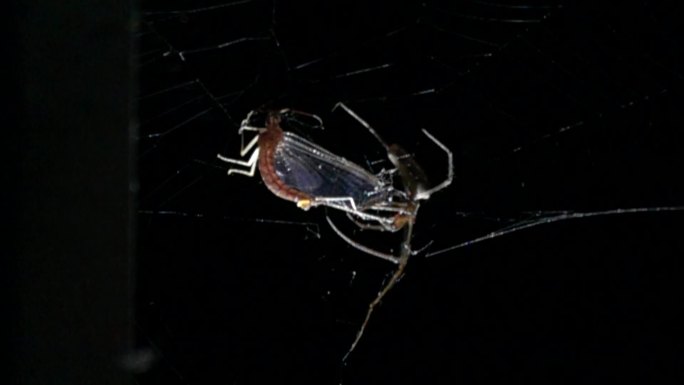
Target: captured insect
(298,170)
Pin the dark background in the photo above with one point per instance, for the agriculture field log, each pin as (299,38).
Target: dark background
(66,264)
(546,106)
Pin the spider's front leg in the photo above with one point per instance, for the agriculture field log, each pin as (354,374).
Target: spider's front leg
(424,195)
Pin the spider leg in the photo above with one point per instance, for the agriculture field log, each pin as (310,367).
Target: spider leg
(397,202)
(422,195)
(358,246)
(399,209)
(363,123)
(387,223)
(402,261)
(412,182)
(366,226)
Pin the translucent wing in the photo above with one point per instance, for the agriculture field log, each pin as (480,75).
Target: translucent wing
(318,172)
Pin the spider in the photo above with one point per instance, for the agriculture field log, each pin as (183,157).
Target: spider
(298,170)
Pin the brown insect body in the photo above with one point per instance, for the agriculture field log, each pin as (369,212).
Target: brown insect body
(268,142)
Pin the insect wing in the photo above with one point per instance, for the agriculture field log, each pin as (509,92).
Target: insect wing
(315,171)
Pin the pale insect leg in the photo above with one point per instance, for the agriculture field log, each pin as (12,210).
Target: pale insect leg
(399,208)
(332,200)
(244,149)
(251,162)
(354,210)
(386,222)
(249,128)
(369,226)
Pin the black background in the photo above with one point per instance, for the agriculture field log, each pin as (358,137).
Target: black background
(65,268)
(546,106)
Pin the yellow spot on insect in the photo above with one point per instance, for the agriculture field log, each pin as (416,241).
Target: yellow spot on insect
(304,204)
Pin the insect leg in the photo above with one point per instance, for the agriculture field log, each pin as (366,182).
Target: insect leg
(245,149)
(251,163)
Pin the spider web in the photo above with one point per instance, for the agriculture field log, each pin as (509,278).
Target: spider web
(550,108)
